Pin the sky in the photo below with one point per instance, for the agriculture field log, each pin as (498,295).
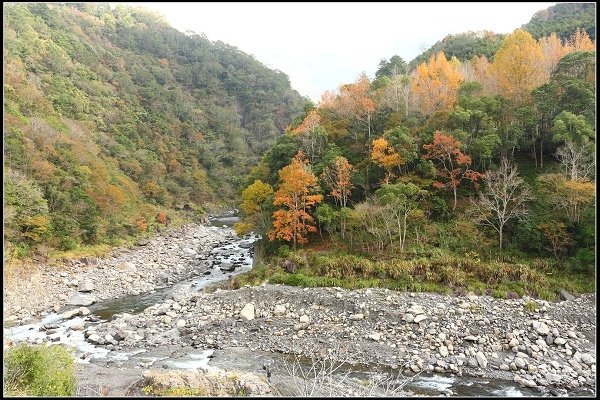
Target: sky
(323,45)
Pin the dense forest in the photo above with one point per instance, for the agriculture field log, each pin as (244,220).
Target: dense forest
(113,120)
(453,170)
(563,19)
(479,153)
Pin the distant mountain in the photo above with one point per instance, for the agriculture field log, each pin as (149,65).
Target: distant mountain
(564,19)
(111,116)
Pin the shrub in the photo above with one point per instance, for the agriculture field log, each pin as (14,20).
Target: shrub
(39,371)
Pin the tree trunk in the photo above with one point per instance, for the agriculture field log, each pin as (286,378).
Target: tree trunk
(454,190)
(500,231)
(541,153)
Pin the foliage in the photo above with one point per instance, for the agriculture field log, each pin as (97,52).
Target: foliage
(435,84)
(564,19)
(463,46)
(255,207)
(452,163)
(39,371)
(297,193)
(111,115)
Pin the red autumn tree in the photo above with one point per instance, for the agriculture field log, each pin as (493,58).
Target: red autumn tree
(297,194)
(452,165)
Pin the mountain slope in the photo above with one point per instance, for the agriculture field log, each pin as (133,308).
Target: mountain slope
(112,116)
(563,19)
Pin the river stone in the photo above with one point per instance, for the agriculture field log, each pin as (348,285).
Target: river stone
(279,309)
(247,312)
(585,358)
(481,360)
(419,318)
(356,317)
(181,323)
(552,378)
(559,341)
(541,328)
(408,318)
(443,351)
(304,319)
(86,286)
(120,335)
(564,295)
(94,338)
(416,310)
(471,338)
(520,363)
(82,300)
(513,342)
(126,266)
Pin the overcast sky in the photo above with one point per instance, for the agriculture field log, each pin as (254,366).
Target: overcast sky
(322,45)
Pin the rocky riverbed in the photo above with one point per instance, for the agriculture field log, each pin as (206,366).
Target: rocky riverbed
(531,346)
(159,262)
(550,346)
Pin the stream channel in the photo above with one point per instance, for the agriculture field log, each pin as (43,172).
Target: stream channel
(242,250)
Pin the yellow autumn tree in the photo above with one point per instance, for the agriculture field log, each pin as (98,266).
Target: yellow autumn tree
(384,155)
(518,66)
(297,193)
(254,208)
(435,84)
(580,41)
(553,50)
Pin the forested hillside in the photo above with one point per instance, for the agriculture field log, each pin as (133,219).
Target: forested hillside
(456,162)
(563,19)
(112,119)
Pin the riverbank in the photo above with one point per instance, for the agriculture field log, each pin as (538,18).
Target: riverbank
(158,262)
(541,347)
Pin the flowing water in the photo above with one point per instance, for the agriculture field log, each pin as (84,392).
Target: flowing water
(242,252)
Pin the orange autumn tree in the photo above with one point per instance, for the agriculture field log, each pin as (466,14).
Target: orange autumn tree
(384,155)
(452,165)
(337,177)
(296,192)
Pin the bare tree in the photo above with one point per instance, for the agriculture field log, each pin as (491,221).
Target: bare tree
(502,199)
(578,160)
(330,376)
